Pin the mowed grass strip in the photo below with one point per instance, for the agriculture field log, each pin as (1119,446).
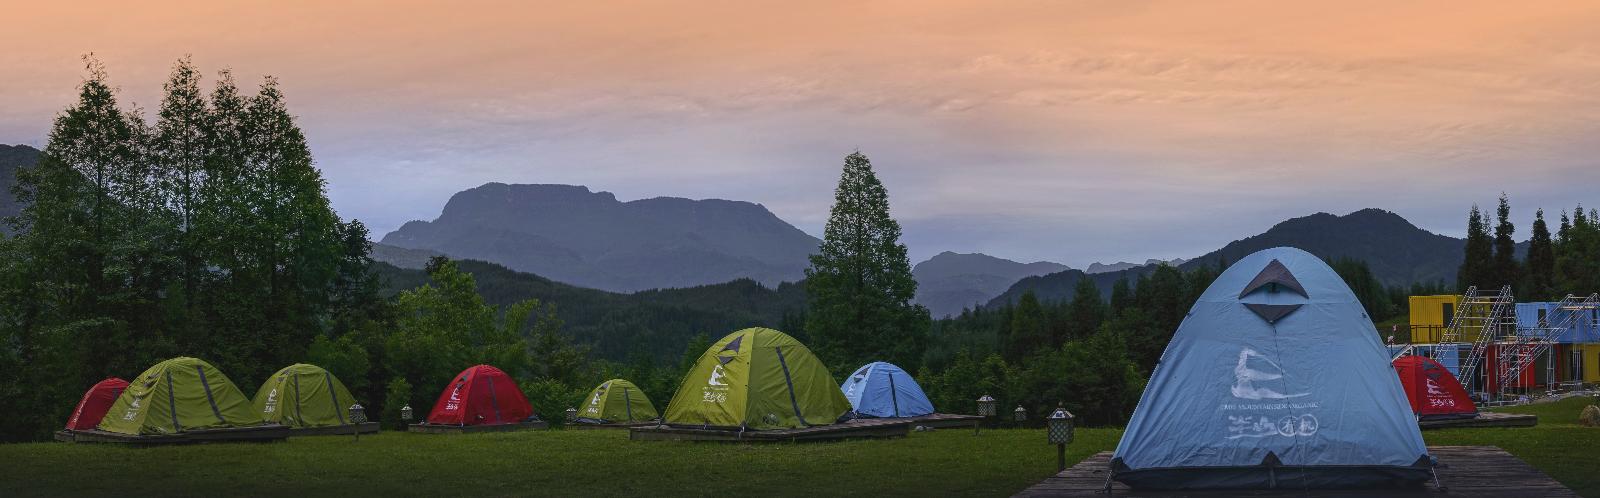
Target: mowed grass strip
(950,462)
(1558,446)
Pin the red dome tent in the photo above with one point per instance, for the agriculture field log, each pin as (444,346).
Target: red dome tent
(95,403)
(1433,391)
(480,395)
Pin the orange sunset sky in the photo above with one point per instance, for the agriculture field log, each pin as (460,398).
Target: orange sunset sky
(1068,131)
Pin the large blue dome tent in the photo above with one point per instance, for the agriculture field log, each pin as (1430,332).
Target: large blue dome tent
(1275,379)
(880,389)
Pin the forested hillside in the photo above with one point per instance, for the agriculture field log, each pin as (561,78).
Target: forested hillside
(655,324)
(12,158)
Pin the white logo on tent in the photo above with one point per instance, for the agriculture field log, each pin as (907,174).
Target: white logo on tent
(1264,426)
(133,410)
(1245,377)
(1434,389)
(455,398)
(272,401)
(716,377)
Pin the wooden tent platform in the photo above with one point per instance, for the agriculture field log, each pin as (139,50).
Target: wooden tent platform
(263,433)
(946,420)
(335,430)
(854,429)
(1464,471)
(1484,419)
(474,429)
(596,427)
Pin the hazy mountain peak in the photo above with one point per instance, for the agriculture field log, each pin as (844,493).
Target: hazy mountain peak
(571,234)
(950,281)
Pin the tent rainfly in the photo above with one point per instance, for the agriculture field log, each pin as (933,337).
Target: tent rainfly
(616,401)
(302,395)
(1434,392)
(96,401)
(880,389)
(1275,379)
(178,395)
(757,378)
(480,395)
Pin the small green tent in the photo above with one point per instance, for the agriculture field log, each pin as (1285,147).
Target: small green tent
(178,395)
(616,401)
(303,395)
(757,378)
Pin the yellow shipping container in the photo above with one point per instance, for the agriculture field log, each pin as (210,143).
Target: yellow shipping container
(1430,316)
(1591,361)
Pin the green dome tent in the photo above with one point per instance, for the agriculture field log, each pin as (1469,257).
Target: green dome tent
(177,395)
(616,401)
(757,378)
(303,395)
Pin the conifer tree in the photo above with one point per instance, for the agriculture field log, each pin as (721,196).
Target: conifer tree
(177,156)
(1506,270)
(1540,272)
(859,286)
(1478,257)
(1028,334)
(1084,312)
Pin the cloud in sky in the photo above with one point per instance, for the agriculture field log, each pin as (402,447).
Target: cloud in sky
(1070,131)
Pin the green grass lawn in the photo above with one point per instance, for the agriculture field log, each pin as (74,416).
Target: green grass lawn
(604,463)
(1558,445)
(561,463)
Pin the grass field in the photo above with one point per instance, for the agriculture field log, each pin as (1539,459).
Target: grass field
(948,462)
(1558,445)
(560,463)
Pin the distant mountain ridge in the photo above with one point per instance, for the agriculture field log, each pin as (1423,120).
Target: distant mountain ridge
(12,158)
(1124,265)
(1398,252)
(590,239)
(949,281)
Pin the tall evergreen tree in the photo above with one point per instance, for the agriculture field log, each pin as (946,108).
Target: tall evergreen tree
(1478,258)
(859,284)
(86,273)
(177,155)
(1028,330)
(1084,312)
(1577,251)
(1539,276)
(1506,270)
(1121,296)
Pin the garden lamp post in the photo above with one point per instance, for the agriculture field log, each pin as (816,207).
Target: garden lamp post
(1060,432)
(405,414)
(358,416)
(572,414)
(1019,415)
(985,410)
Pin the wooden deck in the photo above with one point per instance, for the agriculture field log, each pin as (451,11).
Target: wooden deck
(264,433)
(580,426)
(854,429)
(946,420)
(335,430)
(474,429)
(1484,419)
(1464,471)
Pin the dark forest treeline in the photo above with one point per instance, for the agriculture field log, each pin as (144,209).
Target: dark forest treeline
(206,231)
(1558,264)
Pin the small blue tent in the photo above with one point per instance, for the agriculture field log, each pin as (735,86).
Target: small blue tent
(881,389)
(1275,379)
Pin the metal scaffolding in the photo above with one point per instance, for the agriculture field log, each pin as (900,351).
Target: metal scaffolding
(1480,318)
(1519,351)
